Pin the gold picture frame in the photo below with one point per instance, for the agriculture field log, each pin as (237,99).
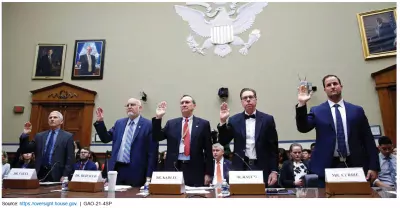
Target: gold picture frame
(49,61)
(378,30)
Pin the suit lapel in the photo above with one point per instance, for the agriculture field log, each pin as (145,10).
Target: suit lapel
(138,127)
(327,111)
(259,118)
(121,132)
(44,139)
(177,128)
(58,140)
(195,130)
(242,124)
(349,116)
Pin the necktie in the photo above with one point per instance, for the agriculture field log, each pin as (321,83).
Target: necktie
(392,171)
(25,165)
(186,137)
(50,59)
(249,116)
(49,146)
(81,166)
(341,139)
(126,155)
(219,175)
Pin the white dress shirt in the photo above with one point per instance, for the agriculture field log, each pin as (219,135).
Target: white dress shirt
(221,164)
(89,57)
(250,138)
(342,110)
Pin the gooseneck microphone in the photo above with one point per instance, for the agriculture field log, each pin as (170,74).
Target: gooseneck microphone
(243,160)
(175,166)
(340,155)
(51,169)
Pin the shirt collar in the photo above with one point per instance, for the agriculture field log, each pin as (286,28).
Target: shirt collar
(220,161)
(254,113)
(136,120)
(190,118)
(56,130)
(341,103)
(382,157)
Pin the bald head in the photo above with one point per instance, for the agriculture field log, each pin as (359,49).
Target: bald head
(133,108)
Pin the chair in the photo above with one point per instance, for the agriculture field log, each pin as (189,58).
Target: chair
(311,181)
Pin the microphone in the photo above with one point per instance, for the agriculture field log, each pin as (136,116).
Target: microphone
(340,155)
(51,169)
(175,166)
(243,160)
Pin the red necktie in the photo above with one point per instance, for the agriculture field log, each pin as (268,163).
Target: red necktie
(186,137)
(81,167)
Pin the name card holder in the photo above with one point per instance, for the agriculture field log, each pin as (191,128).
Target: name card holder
(19,178)
(86,181)
(346,181)
(246,183)
(167,183)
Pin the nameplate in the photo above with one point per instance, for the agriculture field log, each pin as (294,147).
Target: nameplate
(87,176)
(246,177)
(167,178)
(336,175)
(22,174)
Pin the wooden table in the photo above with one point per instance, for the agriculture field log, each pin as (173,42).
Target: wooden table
(53,192)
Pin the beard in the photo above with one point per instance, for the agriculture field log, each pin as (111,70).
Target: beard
(131,114)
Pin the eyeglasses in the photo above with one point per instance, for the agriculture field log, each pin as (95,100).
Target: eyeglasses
(130,105)
(387,148)
(251,97)
(185,102)
(84,152)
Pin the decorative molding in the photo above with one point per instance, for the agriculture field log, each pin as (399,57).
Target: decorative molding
(63,94)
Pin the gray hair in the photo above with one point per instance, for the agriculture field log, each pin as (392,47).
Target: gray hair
(58,114)
(218,145)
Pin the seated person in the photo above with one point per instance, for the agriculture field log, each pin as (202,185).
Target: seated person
(77,146)
(93,158)
(6,165)
(84,163)
(282,157)
(221,166)
(27,158)
(293,169)
(388,163)
(306,154)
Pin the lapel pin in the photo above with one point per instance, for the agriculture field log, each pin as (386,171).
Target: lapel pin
(197,126)
(139,127)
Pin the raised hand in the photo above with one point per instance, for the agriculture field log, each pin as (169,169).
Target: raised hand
(303,95)
(99,114)
(27,127)
(161,109)
(223,113)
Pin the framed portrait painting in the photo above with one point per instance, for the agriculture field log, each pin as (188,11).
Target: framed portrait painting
(49,61)
(88,60)
(378,31)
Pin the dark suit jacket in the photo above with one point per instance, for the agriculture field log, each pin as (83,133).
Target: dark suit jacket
(85,65)
(31,165)
(89,166)
(201,160)
(226,168)
(363,151)
(266,141)
(63,152)
(144,151)
(45,65)
(286,176)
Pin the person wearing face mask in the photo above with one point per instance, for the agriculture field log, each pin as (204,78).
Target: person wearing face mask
(134,153)
(188,143)
(294,169)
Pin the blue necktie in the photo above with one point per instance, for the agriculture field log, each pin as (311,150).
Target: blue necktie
(341,139)
(128,142)
(392,171)
(48,149)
